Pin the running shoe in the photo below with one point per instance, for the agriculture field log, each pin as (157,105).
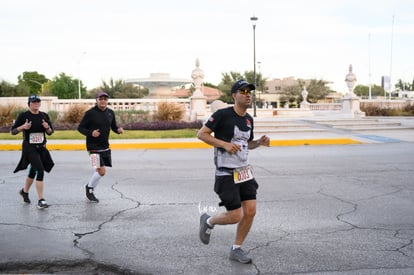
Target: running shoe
(90,195)
(25,196)
(42,204)
(240,256)
(205,229)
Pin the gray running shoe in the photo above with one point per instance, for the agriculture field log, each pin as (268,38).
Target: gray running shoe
(205,229)
(25,196)
(42,204)
(90,195)
(240,256)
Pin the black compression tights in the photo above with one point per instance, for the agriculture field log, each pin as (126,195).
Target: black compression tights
(36,166)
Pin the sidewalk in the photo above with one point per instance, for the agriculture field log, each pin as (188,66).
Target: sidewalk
(130,144)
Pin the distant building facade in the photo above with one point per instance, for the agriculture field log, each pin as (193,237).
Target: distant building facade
(274,88)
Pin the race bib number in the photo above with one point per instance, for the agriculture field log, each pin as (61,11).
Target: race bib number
(36,138)
(95,160)
(242,174)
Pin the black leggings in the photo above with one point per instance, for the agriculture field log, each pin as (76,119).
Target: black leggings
(36,166)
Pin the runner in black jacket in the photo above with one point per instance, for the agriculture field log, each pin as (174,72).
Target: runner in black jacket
(96,125)
(34,124)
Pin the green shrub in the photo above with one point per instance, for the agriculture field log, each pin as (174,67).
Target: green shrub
(163,125)
(131,116)
(53,115)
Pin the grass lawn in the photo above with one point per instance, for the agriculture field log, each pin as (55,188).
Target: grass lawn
(128,134)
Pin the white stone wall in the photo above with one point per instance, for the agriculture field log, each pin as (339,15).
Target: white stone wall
(51,103)
(150,105)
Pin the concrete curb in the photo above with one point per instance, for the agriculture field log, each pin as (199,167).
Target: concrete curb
(181,145)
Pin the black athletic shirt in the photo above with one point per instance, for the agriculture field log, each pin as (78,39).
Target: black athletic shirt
(227,125)
(94,119)
(36,128)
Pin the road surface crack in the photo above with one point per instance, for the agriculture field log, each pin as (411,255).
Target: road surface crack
(79,236)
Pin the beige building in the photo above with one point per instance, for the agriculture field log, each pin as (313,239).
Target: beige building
(270,95)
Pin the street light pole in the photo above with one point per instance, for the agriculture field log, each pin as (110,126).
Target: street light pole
(259,88)
(369,66)
(254,19)
(392,38)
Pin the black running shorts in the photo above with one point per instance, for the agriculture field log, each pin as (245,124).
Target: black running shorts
(231,194)
(104,157)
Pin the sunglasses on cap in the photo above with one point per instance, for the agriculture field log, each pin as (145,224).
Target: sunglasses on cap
(34,98)
(245,91)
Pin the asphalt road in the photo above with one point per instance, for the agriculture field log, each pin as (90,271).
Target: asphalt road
(336,209)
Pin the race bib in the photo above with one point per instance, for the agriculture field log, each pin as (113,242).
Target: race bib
(95,160)
(242,174)
(36,138)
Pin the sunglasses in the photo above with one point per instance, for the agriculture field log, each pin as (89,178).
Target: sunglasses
(34,98)
(103,98)
(245,92)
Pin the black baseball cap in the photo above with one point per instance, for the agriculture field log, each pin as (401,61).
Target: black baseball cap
(240,84)
(33,98)
(101,93)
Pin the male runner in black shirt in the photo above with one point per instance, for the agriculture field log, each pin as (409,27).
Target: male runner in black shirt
(96,125)
(234,182)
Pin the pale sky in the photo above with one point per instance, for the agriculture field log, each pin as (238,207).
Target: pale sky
(96,40)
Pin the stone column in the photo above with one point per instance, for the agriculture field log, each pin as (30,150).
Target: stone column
(350,102)
(304,104)
(198,100)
